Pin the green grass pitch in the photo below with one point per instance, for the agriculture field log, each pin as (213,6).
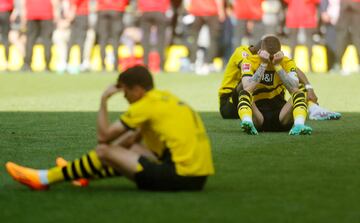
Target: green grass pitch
(272,177)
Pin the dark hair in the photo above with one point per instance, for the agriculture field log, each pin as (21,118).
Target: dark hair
(137,75)
(272,44)
(257,46)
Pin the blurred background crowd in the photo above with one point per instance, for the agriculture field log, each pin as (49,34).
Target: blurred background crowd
(184,35)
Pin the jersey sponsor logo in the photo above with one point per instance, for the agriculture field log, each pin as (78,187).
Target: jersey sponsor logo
(268,78)
(245,67)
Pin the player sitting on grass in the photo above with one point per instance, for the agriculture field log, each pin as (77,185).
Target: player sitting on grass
(174,153)
(261,102)
(231,86)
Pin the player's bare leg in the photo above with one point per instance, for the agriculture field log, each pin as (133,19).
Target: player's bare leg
(258,118)
(286,114)
(121,159)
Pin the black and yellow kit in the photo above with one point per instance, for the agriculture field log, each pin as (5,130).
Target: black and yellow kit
(269,95)
(175,133)
(228,97)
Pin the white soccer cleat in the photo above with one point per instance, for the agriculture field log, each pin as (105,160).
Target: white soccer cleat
(321,114)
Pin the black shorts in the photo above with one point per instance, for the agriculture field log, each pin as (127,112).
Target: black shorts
(163,177)
(228,105)
(271,109)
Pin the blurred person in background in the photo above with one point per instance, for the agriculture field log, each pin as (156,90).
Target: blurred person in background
(329,11)
(273,15)
(248,15)
(39,16)
(78,15)
(210,13)
(227,34)
(6,7)
(153,16)
(302,14)
(110,26)
(62,34)
(347,28)
(17,35)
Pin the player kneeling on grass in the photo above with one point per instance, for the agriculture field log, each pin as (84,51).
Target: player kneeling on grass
(262,105)
(175,154)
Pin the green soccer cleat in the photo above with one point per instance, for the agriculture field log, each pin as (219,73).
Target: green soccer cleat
(335,116)
(248,127)
(300,130)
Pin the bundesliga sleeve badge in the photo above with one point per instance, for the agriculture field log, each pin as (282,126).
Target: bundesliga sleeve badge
(245,67)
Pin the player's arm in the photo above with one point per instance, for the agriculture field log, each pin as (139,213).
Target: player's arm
(55,7)
(220,9)
(106,132)
(290,80)
(71,13)
(311,96)
(23,13)
(250,82)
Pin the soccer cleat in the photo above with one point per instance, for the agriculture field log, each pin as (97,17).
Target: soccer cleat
(82,182)
(300,130)
(321,114)
(27,176)
(249,128)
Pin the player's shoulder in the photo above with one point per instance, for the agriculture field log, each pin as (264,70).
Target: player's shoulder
(287,61)
(160,96)
(253,59)
(250,64)
(242,51)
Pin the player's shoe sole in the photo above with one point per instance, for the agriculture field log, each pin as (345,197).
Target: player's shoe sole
(300,130)
(27,176)
(249,128)
(82,182)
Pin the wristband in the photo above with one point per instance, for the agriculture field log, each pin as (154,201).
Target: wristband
(308,86)
(278,68)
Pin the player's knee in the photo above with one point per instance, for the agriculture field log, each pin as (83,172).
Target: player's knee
(102,151)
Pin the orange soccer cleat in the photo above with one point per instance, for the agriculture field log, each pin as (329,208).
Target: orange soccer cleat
(27,176)
(82,182)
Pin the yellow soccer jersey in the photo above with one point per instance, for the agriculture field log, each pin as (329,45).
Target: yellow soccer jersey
(232,75)
(270,85)
(167,123)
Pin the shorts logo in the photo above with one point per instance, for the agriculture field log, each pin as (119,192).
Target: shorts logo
(245,67)
(268,78)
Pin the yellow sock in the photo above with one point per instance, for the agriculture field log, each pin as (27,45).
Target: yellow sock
(244,106)
(299,108)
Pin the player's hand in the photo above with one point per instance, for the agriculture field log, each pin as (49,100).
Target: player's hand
(311,96)
(264,56)
(278,57)
(110,91)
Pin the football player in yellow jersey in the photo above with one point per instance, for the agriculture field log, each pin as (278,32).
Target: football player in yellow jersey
(264,79)
(231,86)
(174,152)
